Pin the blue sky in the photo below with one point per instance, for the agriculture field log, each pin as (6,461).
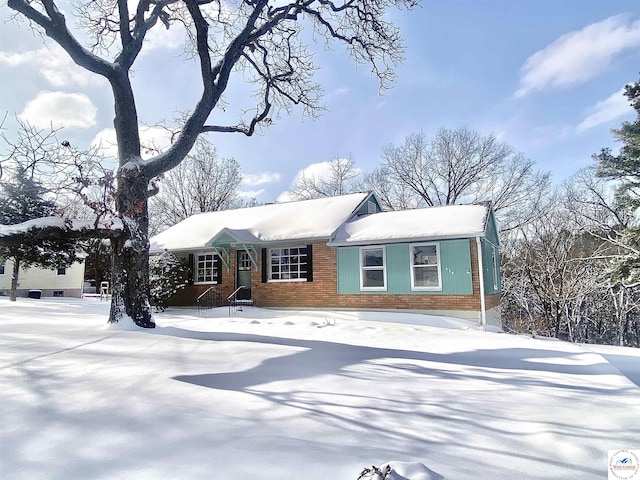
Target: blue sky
(545,76)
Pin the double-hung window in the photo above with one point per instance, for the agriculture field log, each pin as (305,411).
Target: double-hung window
(425,267)
(62,271)
(287,264)
(206,268)
(373,274)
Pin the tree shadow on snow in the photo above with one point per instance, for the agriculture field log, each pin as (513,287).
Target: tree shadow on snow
(319,357)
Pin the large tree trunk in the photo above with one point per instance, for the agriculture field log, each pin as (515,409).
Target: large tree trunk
(14,279)
(130,265)
(130,268)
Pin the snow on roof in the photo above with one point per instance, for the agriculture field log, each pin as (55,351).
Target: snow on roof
(450,221)
(303,220)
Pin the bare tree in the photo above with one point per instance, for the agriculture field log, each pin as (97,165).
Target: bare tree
(549,274)
(600,211)
(462,166)
(559,270)
(392,195)
(201,183)
(260,39)
(339,176)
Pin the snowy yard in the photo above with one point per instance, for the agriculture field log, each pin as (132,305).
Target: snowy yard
(301,395)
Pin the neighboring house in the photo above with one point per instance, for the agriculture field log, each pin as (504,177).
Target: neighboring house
(344,252)
(59,282)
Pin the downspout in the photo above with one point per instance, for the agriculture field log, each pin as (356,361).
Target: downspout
(483,312)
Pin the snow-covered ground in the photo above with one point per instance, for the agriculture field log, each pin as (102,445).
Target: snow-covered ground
(283,395)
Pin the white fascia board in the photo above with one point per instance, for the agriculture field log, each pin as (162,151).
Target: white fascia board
(387,241)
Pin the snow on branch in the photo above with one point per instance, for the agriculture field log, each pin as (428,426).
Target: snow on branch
(57,227)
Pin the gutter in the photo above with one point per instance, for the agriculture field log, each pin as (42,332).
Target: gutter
(483,308)
(389,241)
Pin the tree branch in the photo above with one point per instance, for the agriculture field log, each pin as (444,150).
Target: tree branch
(55,27)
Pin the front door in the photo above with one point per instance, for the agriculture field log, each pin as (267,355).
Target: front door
(243,276)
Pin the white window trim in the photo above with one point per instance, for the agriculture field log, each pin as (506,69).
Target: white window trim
(286,280)
(384,268)
(437,288)
(64,271)
(195,268)
(3,264)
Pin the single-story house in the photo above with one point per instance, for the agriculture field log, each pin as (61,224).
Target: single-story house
(344,252)
(57,282)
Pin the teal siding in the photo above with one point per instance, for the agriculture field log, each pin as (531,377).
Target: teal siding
(455,262)
(491,231)
(489,268)
(491,239)
(348,270)
(224,239)
(398,270)
(364,208)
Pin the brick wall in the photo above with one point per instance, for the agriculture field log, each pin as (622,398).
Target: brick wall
(322,291)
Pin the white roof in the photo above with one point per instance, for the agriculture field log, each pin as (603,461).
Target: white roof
(433,223)
(303,220)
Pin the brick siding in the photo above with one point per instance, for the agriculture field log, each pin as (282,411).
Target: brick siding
(322,292)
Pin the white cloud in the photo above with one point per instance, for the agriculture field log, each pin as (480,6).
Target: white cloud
(153,139)
(605,111)
(578,56)
(105,141)
(264,178)
(314,172)
(59,109)
(284,197)
(54,64)
(160,37)
(250,193)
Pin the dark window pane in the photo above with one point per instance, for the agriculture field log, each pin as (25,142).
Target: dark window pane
(373,278)
(425,255)
(373,258)
(425,276)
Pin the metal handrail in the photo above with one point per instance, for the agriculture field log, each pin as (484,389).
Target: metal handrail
(235,292)
(204,293)
(232,300)
(208,299)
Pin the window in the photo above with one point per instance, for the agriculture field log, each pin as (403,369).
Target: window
(373,274)
(58,293)
(425,267)
(206,267)
(62,270)
(287,264)
(2,263)
(495,261)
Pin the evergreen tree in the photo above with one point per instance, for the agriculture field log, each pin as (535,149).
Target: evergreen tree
(22,199)
(625,169)
(166,277)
